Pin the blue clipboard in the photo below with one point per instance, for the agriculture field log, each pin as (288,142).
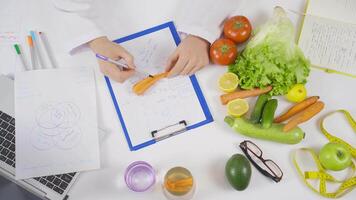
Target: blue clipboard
(194,81)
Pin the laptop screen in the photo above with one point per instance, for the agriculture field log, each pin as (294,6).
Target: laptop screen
(9,190)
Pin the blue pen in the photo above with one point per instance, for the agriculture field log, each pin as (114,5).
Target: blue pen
(121,65)
(37,50)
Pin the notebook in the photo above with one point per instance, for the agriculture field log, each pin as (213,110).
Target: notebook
(328,35)
(172,106)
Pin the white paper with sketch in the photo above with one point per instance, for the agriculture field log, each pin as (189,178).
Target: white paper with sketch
(56,122)
(167,102)
(328,34)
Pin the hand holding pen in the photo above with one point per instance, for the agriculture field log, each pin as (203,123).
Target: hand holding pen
(104,46)
(122,66)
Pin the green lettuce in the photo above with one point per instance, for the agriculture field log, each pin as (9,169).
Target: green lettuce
(272,57)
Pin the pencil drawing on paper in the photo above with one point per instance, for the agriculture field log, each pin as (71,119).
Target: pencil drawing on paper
(56,126)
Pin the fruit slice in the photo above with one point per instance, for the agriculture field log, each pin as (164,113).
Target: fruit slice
(237,107)
(228,82)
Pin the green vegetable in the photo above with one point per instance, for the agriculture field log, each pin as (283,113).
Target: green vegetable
(274,133)
(272,58)
(238,171)
(257,111)
(268,113)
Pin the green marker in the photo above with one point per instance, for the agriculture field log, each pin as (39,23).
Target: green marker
(18,52)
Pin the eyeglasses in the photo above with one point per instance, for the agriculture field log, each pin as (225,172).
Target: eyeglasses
(266,167)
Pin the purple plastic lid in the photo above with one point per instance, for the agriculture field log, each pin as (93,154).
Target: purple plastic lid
(140,176)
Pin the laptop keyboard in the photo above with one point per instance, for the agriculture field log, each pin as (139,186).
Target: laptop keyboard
(57,183)
(7,139)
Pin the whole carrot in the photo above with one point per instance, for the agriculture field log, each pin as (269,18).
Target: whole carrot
(296,109)
(241,94)
(304,116)
(142,86)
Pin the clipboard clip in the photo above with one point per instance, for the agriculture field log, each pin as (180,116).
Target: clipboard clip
(169,131)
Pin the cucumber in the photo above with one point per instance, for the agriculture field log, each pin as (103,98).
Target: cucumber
(268,113)
(257,111)
(274,133)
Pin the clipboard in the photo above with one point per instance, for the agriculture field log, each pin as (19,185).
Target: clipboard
(169,130)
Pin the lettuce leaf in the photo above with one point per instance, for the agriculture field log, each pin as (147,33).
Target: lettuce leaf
(272,57)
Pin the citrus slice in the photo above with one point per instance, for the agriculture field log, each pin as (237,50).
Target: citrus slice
(237,107)
(228,82)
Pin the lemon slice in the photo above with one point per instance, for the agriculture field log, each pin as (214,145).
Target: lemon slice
(228,82)
(237,107)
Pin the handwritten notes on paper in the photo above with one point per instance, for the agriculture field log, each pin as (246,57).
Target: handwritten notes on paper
(328,35)
(330,44)
(340,10)
(56,124)
(167,102)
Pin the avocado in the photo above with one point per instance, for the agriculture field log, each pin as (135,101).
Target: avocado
(238,171)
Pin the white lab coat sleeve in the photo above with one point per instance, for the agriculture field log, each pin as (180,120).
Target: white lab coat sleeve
(204,18)
(77,29)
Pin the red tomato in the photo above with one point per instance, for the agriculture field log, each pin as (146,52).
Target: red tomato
(237,29)
(223,52)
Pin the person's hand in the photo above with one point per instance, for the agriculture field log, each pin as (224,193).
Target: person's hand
(191,55)
(114,51)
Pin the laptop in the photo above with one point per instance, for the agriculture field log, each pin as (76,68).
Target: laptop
(54,187)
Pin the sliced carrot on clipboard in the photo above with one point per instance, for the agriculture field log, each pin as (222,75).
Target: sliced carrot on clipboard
(142,86)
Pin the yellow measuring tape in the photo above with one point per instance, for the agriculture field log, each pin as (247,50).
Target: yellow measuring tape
(347,184)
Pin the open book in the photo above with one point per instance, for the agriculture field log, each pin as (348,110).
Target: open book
(328,36)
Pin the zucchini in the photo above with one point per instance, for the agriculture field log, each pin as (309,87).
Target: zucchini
(274,133)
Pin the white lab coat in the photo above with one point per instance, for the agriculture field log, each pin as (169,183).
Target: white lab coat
(85,20)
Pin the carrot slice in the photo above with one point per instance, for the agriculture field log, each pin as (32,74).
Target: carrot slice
(241,94)
(142,86)
(296,109)
(304,116)
(180,183)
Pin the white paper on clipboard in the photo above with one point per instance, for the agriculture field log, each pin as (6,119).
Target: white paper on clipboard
(167,102)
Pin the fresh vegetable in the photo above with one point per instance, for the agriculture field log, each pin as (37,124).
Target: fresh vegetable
(228,82)
(296,109)
(304,116)
(142,86)
(241,94)
(237,107)
(223,52)
(274,133)
(335,157)
(238,171)
(257,111)
(237,29)
(180,186)
(297,93)
(268,113)
(272,57)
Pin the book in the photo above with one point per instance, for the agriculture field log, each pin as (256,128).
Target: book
(328,35)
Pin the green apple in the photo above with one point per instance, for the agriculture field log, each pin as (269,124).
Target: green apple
(335,157)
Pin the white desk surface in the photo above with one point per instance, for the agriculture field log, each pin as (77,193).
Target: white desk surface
(203,151)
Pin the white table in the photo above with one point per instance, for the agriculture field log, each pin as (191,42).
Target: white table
(203,151)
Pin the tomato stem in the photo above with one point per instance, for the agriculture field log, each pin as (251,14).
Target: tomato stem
(225,48)
(238,25)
